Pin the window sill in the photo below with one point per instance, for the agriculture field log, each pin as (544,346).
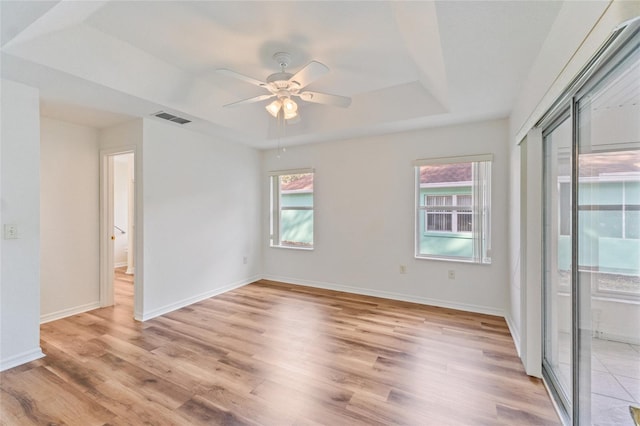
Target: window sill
(292,248)
(451,259)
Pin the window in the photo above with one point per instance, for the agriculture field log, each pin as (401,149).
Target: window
(612,204)
(454,216)
(453,208)
(292,209)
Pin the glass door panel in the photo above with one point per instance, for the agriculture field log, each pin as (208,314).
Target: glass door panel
(608,115)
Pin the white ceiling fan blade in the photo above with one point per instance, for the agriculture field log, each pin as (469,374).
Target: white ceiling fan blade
(310,73)
(242,77)
(249,101)
(326,99)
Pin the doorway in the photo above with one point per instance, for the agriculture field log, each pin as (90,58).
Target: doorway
(118,230)
(123,229)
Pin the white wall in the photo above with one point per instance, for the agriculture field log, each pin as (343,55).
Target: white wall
(364,219)
(201,216)
(549,74)
(581,27)
(20,201)
(69,266)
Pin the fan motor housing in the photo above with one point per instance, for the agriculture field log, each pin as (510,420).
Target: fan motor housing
(278,77)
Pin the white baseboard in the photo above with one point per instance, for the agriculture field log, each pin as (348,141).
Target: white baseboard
(120,264)
(191,300)
(390,295)
(130,270)
(68,312)
(137,315)
(515,333)
(21,358)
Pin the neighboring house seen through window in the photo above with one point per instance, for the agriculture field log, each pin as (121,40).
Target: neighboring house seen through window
(453,208)
(455,215)
(292,209)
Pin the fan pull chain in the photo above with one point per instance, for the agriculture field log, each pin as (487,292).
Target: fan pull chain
(280,128)
(284,131)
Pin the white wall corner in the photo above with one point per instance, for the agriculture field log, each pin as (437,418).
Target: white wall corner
(195,299)
(532,316)
(515,333)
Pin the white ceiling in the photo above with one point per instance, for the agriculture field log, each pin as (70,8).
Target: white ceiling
(406,65)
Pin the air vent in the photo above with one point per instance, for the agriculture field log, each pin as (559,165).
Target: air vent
(171,117)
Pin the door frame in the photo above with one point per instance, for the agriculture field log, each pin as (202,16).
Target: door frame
(107,223)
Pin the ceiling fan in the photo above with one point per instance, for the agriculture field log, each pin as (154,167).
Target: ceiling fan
(284,86)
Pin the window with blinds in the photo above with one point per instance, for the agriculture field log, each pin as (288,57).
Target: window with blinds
(453,208)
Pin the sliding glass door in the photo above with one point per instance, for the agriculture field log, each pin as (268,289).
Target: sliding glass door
(608,234)
(591,287)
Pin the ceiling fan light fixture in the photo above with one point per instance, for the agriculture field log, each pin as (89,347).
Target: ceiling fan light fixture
(289,105)
(290,114)
(274,107)
(284,85)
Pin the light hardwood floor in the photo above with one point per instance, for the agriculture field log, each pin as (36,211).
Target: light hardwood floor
(276,354)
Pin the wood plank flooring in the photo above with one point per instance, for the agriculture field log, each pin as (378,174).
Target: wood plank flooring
(276,354)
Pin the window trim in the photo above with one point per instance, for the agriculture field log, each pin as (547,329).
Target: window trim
(275,212)
(453,160)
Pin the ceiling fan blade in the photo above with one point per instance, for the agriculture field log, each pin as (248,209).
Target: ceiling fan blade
(242,77)
(310,73)
(326,99)
(249,101)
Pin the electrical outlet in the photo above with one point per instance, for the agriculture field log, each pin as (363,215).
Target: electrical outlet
(452,274)
(403,269)
(10,232)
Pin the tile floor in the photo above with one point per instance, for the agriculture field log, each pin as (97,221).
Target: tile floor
(615,382)
(615,379)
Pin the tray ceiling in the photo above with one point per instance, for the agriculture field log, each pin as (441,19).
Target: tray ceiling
(406,65)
